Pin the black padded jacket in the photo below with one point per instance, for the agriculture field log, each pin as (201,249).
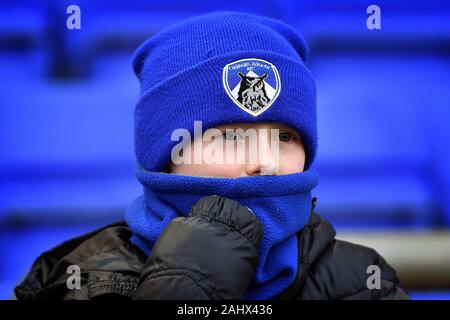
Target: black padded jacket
(211,254)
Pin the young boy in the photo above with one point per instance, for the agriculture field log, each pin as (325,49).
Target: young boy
(221,217)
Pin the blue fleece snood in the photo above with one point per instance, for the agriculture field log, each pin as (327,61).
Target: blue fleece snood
(191,72)
(282,204)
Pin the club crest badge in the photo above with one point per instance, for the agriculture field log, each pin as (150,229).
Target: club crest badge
(252,84)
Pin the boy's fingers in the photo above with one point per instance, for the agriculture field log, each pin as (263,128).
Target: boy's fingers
(231,213)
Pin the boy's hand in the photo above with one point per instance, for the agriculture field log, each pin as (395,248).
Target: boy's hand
(211,254)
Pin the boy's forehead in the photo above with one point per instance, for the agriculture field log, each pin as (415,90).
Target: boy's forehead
(246,125)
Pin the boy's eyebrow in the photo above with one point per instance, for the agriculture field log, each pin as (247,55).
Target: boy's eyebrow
(291,130)
(248,126)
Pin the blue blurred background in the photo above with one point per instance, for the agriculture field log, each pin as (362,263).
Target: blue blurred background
(67,99)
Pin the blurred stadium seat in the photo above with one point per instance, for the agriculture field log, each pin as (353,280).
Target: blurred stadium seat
(378,140)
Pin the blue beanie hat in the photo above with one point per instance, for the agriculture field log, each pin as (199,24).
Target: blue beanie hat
(220,68)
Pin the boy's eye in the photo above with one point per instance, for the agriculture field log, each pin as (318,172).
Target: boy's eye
(231,135)
(286,137)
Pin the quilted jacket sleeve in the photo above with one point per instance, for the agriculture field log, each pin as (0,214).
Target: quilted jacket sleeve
(211,254)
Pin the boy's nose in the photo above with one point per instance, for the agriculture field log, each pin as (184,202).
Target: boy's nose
(266,163)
